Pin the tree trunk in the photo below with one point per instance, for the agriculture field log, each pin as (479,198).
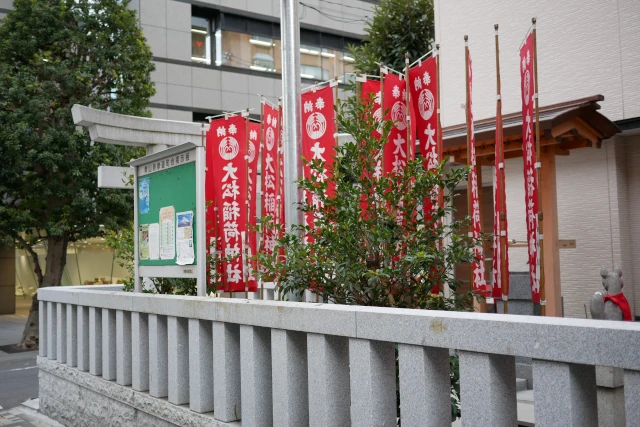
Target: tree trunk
(55,262)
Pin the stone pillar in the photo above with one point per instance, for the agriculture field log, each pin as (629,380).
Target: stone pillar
(42,328)
(72,336)
(289,378)
(425,386)
(178,360)
(83,338)
(488,390)
(257,403)
(632,397)
(61,331)
(226,372)
(373,383)
(139,351)
(328,373)
(610,391)
(123,347)
(52,334)
(565,394)
(158,371)
(200,366)
(95,341)
(108,344)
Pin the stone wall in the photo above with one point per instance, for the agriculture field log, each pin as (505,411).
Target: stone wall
(75,398)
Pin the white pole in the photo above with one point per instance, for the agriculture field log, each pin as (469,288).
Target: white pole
(137,280)
(292,126)
(201,229)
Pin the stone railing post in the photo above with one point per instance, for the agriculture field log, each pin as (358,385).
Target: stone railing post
(108,344)
(123,347)
(52,333)
(226,372)
(488,390)
(425,386)
(83,338)
(158,352)
(200,366)
(61,331)
(42,328)
(139,351)
(329,389)
(95,341)
(178,360)
(72,335)
(289,375)
(632,397)
(564,394)
(373,383)
(257,404)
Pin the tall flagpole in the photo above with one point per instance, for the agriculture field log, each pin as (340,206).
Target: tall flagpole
(502,238)
(245,241)
(382,115)
(292,120)
(468,119)
(540,269)
(410,144)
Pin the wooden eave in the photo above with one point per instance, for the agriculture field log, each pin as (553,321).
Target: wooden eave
(563,127)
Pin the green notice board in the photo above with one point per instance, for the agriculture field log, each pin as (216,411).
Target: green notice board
(176,187)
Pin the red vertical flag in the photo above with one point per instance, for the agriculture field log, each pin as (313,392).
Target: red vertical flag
(394,100)
(530,164)
(252,180)
(478,272)
(270,162)
(318,141)
(227,137)
(280,180)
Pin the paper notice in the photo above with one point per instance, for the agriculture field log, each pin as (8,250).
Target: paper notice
(143,243)
(143,195)
(167,233)
(154,241)
(184,238)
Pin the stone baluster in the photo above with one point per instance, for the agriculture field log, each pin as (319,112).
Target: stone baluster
(329,389)
(123,347)
(83,338)
(564,394)
(488,389)
(158,352)
(632,397)
(108,344)
(178,359)
(373,383)
(140,351)
(61,330)
(95,341)
(200,366)
(257,406)
(72,335)
(226,372)
(42,328)
(52,334)
(425,386)
(289,373)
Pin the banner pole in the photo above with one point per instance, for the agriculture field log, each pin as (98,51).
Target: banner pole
(468,118)
(382,114)
(247,203)
(410,144)
(259,234)
(543,310)
(446,290)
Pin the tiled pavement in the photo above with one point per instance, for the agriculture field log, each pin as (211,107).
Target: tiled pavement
(21,416)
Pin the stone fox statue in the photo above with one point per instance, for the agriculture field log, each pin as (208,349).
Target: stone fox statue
(613,305)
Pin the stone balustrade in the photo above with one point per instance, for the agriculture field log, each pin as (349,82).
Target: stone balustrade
(174,360)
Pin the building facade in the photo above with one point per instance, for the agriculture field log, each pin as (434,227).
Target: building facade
(584,48)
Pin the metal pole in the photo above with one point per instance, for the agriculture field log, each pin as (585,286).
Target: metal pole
(137,280)
(292,120)
(200,216)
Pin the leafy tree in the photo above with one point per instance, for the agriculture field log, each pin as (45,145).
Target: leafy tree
(54,54)
(398,26)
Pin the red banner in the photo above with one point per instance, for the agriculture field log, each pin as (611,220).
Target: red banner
(530,162)
(318,141)
(479,282)
(270,140)
(280,180)
(254,153)
(227,139)
(394,101)
(500,283)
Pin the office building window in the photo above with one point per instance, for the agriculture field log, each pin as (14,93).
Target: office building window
(200,40)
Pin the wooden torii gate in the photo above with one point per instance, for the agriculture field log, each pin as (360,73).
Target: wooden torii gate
(563,127)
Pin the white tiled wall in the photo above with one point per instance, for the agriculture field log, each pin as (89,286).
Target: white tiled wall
(585,47)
